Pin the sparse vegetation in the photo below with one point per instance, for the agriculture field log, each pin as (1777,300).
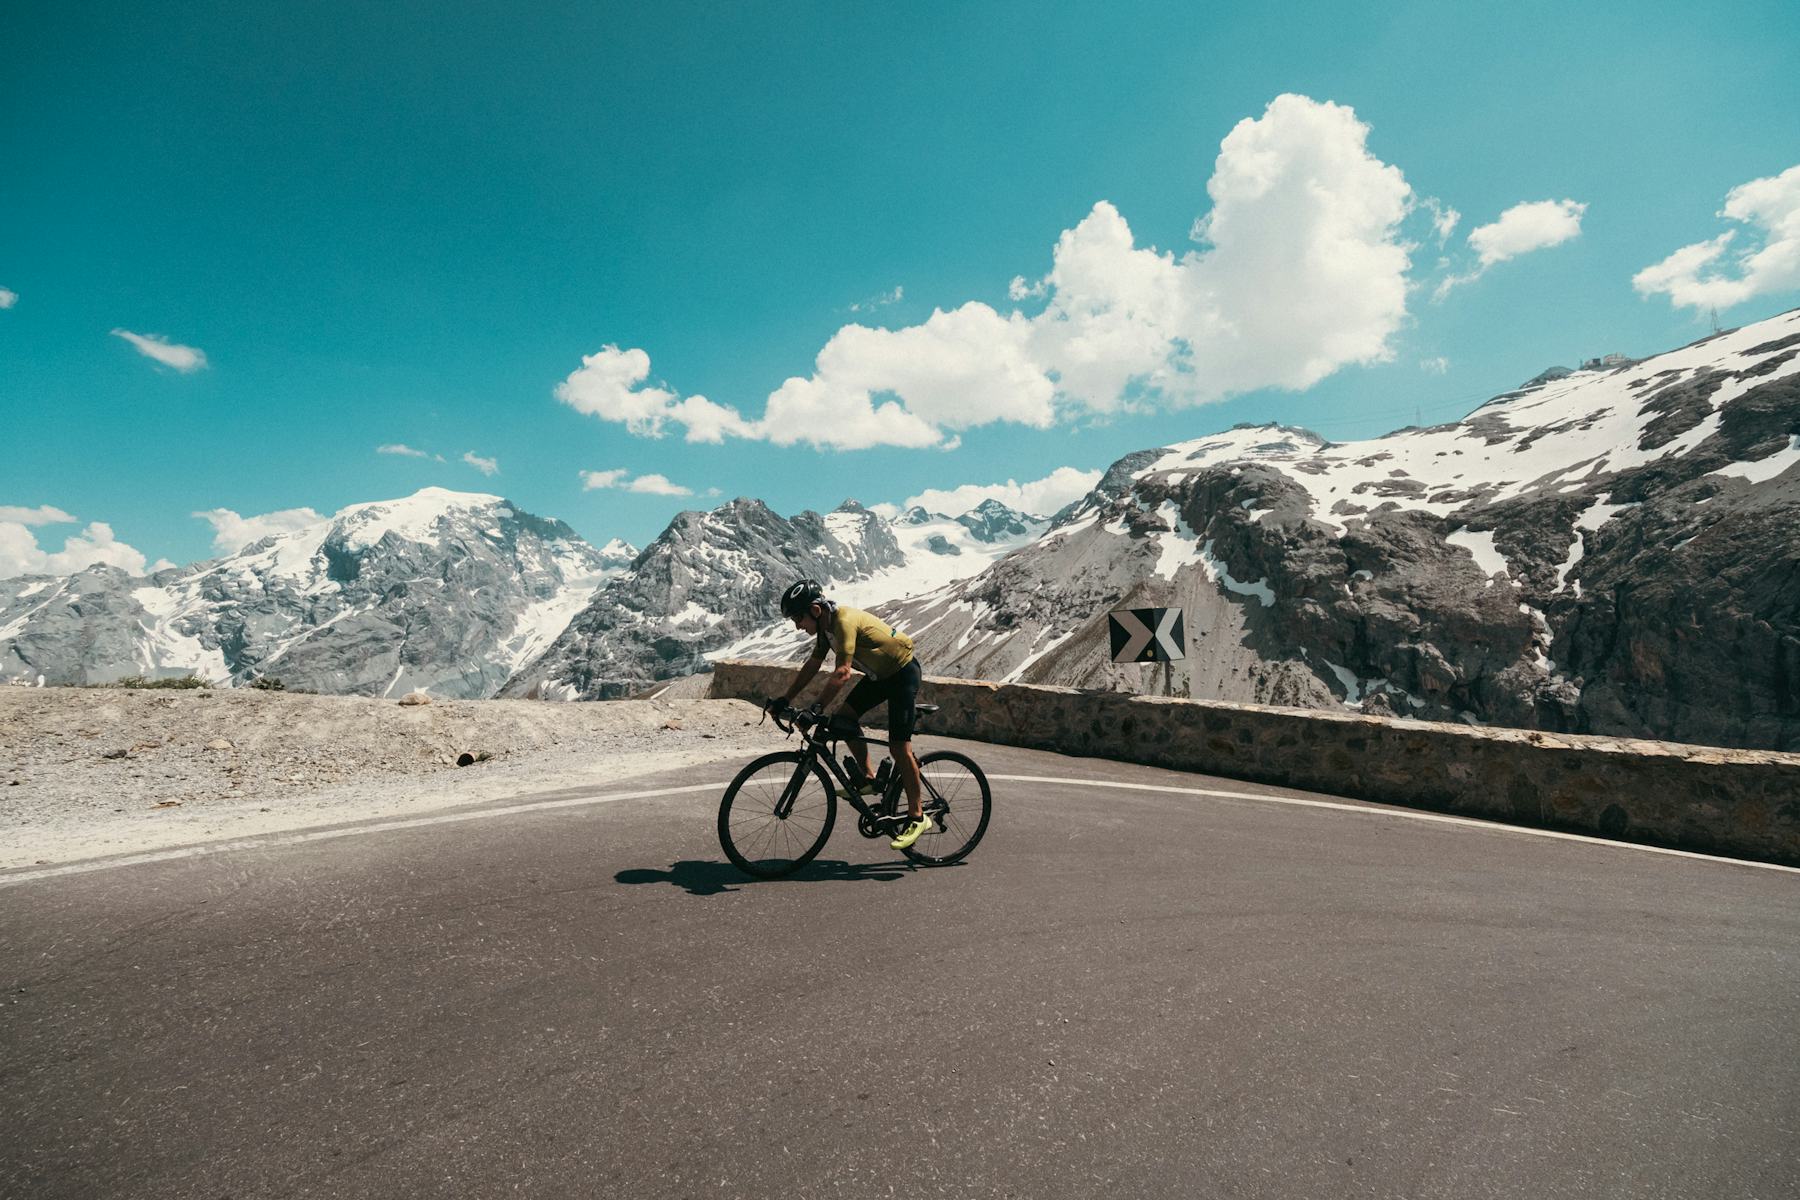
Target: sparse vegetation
(138,681)
(269,683)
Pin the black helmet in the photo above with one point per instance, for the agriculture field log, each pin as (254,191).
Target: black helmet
(800,597)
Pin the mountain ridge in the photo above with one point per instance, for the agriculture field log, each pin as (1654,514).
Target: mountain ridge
(713,579)
(1550,561)
(1611,550)
(444,591)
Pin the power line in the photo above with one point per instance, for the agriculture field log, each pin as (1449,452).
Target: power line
(1382,416)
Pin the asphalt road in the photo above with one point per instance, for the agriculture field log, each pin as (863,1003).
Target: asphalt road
(1124,992)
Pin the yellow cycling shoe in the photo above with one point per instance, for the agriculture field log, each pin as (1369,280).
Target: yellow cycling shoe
(912,833)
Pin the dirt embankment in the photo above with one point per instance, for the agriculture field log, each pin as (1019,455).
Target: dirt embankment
(87,772)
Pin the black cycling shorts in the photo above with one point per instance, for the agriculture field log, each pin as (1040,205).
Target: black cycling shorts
(900,690)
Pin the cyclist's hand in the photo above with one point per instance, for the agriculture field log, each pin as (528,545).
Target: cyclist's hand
(773,706)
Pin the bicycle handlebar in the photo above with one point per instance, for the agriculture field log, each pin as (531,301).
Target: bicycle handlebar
(788,718)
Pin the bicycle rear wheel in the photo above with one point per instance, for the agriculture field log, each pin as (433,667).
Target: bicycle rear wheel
(757,835)
(957,799)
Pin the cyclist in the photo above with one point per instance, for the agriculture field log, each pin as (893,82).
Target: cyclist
(890,673)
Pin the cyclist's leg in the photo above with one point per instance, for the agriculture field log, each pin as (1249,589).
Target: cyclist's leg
(903,700)
(908,765)
(864,696)
(902,713)
(846,726)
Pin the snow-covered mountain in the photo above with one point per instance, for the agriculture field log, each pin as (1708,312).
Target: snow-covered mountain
(711,583)
(1611,550)
(1608,551)
(446,591)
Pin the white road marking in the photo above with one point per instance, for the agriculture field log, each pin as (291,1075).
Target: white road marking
(1403,814)
(320,835)
(483,814)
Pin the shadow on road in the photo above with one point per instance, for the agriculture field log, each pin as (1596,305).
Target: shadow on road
(711,878)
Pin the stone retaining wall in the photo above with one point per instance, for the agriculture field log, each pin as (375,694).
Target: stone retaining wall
(1743,803)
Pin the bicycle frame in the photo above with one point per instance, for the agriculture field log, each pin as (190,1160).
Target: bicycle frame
(822,746)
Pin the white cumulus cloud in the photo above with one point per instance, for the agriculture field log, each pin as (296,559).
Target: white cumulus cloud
(405,451)
(657,485)
(1768,210)
(1443,218)
(43,514)
(609,385)
(602,479)
(619,477)
(1306,272)
(8,297)
(20,553)
(487,466)
(1018,289)
(1534,225)
(232,532)
(1526,227)
(1302,273)
(161,349)
(905,387)
(1040,497)
(881,301)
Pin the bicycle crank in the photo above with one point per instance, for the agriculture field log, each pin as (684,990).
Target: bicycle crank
(883,825)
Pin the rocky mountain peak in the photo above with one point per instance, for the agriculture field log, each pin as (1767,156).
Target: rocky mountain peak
(1547,375)
(618,552)
(992,521)
(706,580)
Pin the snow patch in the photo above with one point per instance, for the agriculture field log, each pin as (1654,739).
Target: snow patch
(1175,549)
(846,527)
(1017,672)
(1217,572)
(1488,558)
(1764,469)
(1599,513)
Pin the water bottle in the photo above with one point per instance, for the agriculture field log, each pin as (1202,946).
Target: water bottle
(882,773)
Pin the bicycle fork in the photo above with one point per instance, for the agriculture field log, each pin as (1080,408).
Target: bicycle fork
(791,793)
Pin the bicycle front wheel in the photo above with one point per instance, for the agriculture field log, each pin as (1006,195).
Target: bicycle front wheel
(777,815)
(957,799)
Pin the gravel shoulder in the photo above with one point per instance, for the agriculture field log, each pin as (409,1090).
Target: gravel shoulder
(90,772)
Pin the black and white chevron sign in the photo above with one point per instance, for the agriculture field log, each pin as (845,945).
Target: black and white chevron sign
(1146,635)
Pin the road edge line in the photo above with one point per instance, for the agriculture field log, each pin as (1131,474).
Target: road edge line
(1405,815)
(296,837)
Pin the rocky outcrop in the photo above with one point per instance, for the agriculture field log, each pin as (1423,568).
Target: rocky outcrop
(81,629)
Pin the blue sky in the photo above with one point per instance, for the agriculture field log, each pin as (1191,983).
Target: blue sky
(243,247)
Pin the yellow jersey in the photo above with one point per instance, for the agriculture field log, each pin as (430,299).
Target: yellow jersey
(876,647)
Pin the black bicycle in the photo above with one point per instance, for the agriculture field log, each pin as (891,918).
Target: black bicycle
(779,811)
